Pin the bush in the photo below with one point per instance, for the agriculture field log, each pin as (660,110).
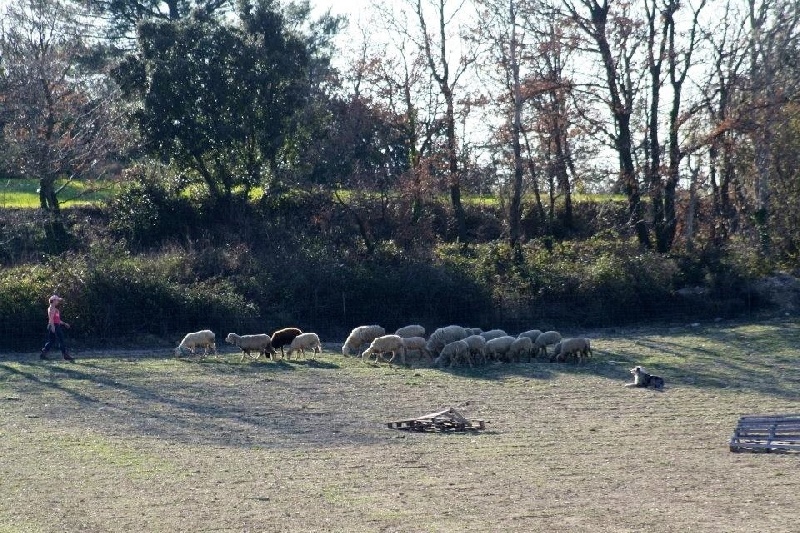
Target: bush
(146,212)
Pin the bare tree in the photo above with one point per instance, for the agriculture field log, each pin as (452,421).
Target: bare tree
(592,17)
(435,45)
(663,49)
(773,26)
(502,28)
(60,120)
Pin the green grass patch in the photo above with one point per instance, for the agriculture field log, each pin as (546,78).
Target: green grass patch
(24,193)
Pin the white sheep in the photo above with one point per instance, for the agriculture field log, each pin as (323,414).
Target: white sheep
(493,334)
(443,336)
(521,350)
(386,344)
(531,334)
(544,340)
(303,342)
(199,339)
(579,347)
(477,348)
(453,354)
(497,348)
(414,330)
(416,344)
(360,336)
(261,343)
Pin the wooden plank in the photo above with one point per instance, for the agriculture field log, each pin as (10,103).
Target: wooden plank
(767,433)
(445,420)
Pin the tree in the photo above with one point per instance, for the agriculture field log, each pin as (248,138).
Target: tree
(503,29)
(435,46)
(59,119)
(124,15)
(217,98)
(663,48)
(389,75)
(720,100)
(592,17)
(773,26)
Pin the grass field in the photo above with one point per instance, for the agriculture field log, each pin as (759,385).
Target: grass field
(141,441)
(25,193)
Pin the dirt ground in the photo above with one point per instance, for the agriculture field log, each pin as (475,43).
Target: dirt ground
(141,441)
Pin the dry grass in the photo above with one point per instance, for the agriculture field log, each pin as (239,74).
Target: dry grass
(138,442)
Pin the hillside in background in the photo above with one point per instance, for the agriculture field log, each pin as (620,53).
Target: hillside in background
(165,267)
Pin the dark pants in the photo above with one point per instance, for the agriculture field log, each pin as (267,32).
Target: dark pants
(55,338)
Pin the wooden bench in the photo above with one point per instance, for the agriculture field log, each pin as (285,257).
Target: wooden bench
(767,434)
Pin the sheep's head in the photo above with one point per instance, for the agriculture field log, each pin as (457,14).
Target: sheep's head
(182,350)
(231,338)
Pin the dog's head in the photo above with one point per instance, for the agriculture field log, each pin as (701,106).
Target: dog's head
(637,370)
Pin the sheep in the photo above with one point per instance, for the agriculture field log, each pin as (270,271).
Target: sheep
(531,334)
(414,330)
(473,331)
(284,337)
(303,342)
(493,334)
(454,353)
(579,347)
(497,348)
(477,347)
(261,343)
(204,338)
(442,336)
(544,340)
(416,344)
(386,344)
(521,349)
(360,336)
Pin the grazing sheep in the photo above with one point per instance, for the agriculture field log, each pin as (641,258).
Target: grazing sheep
(521,350)
(497,348)
(360,336)
(284,337)
(417,344)
(455,353)
(544,340)
(477,348)
(493,334)
(414,330)
(443,336)
(531,334)
(204,338)
(386,344)
(579,347)
(261,343)
(303,342)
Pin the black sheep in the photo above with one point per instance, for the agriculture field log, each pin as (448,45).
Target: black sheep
(284,337)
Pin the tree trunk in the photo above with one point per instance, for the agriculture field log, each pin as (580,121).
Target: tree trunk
(48,200)
(514,212)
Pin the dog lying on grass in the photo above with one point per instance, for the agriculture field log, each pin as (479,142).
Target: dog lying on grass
(644,380)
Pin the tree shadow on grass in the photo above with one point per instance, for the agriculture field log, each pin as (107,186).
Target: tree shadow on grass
(225,408)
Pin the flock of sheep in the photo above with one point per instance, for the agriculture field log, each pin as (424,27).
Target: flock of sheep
(458,346)
(293,339)
(446,347)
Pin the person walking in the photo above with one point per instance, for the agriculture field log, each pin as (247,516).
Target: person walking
(55,329)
